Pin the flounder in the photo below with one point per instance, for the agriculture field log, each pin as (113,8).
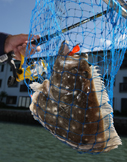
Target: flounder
(73,104)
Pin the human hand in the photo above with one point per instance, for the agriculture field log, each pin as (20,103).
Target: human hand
(18,43)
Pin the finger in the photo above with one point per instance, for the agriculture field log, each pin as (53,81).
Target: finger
(32,38)
(21,38)
(22,49)
(35,37)
(38,48)
(17,54)
(32,49)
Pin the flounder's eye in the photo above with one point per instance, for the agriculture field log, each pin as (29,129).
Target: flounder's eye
(74,70)
(85,74)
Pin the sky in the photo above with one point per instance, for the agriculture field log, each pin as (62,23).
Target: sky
(15,16)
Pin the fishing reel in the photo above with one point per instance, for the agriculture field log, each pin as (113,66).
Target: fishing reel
(30,72)
(9,59)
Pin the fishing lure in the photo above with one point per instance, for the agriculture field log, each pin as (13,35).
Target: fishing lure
(73,104)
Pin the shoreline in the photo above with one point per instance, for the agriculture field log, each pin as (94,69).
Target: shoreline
(25,117)
(17,116)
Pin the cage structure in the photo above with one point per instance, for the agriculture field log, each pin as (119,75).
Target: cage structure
(82,44)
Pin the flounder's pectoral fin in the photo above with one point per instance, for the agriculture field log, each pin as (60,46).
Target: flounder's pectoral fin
(36,86)
(44,87)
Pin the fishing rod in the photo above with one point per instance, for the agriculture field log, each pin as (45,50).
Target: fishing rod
(47,37)
(18,73)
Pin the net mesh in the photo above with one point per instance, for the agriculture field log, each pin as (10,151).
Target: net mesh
(82,47)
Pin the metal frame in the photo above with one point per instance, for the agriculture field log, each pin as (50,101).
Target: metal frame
(118,8)
(112,3)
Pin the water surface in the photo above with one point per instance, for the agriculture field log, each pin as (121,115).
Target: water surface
(24,143)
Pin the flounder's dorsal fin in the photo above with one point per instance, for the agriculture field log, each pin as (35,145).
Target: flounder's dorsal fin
(111,137)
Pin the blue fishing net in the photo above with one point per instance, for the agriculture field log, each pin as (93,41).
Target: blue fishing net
(82,48)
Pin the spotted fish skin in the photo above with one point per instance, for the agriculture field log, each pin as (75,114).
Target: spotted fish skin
(67,104)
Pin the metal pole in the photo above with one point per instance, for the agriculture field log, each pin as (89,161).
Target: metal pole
(113,4)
